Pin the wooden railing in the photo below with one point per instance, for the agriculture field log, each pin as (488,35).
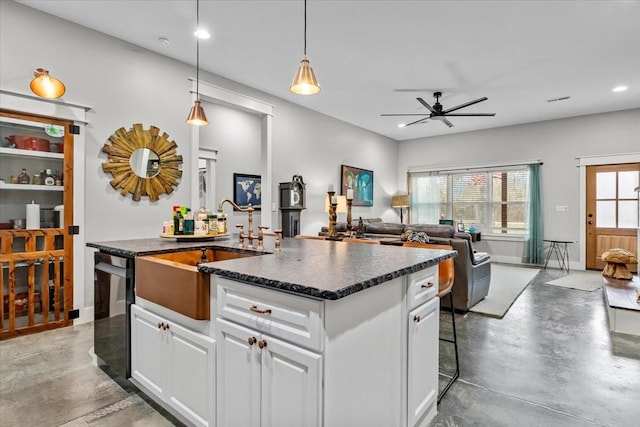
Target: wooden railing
(32,281)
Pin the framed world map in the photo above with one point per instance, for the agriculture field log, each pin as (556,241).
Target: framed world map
(247,189)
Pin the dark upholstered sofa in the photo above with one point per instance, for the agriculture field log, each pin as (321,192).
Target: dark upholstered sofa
(472,268)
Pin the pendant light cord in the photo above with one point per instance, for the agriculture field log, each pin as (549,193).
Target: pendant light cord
(198,50)
(305,28)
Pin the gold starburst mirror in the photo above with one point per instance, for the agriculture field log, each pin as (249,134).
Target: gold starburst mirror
(142,162)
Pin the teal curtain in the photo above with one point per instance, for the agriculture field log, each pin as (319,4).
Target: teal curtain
(533,244)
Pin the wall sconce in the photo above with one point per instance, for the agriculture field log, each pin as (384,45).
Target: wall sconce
(400,201)
(46,86)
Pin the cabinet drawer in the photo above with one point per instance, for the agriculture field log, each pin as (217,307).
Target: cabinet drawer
(295,319)
(423,285)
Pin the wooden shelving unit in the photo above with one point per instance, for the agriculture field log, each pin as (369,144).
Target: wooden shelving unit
(36,265)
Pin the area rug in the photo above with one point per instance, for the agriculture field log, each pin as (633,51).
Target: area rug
(507,283)
(582,280)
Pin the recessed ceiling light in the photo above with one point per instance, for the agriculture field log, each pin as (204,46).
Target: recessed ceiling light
(201,33)
(401,125)
(620,88)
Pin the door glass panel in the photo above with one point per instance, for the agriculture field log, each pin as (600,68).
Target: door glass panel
(627,181)
(628,214)
(606,214)
(605,185)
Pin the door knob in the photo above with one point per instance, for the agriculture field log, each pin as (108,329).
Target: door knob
(251,340)
(262,344)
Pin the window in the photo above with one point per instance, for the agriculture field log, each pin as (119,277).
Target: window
(493,201)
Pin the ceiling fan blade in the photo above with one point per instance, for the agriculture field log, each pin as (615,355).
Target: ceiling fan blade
(427,106)
(417,121)
(443,119)
(446,122)
(410,114)
(466,104)
(471,114)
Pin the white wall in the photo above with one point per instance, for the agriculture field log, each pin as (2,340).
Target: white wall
(125,84)
(557,143)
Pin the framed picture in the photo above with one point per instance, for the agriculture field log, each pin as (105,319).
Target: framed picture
(461,227)
(247,189)
(360,181)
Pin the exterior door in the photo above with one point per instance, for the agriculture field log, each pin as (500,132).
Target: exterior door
(612,211)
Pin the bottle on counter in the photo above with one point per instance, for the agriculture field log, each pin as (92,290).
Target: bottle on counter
(24,178)
(201,218)
(222,223)
(178,223)
(49,179)
(213,225)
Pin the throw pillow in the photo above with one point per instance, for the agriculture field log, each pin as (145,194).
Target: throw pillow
(418,236)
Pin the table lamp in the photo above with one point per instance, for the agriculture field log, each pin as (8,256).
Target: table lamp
(400,201)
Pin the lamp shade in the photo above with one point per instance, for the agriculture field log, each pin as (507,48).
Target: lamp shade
(196,115)
(46,86)
(304,82)
(400,201)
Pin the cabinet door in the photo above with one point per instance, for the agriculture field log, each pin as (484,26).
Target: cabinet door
(191,369)
(148,350)
(423,362)
(238,376)
(291,385)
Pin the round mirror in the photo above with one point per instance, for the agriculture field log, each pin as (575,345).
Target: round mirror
(145,163)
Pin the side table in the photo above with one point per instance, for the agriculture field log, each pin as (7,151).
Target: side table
(561,249)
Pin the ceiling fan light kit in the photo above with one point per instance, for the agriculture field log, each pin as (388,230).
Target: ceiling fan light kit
(304,81)
(196,115)
(437,112)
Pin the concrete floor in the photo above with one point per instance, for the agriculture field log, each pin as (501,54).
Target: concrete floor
(551,361)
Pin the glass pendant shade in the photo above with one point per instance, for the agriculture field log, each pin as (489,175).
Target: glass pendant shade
(46,86)
(305,82)
(196,115)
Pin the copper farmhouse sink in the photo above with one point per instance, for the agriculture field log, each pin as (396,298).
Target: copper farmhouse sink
(172,280)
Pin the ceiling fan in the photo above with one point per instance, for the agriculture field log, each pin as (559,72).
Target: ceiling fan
(438,113)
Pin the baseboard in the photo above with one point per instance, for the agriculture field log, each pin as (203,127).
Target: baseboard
(86,316)
(553,264)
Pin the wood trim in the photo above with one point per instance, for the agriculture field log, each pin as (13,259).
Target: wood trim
(36,261)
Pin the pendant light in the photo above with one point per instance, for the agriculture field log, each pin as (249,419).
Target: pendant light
(304,82)
(196,115)
(46,86)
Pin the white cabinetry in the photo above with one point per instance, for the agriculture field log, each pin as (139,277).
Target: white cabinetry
(174,364)
(265,377)
(423,321)
(423,362)
(264,381)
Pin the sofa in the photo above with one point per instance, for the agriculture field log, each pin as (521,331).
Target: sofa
(472,268)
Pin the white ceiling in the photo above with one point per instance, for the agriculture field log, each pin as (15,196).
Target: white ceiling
(374,57)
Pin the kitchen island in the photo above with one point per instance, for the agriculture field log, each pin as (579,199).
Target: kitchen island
(317,333)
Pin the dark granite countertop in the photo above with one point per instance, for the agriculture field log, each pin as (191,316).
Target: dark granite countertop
(315,268)
(140,247)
